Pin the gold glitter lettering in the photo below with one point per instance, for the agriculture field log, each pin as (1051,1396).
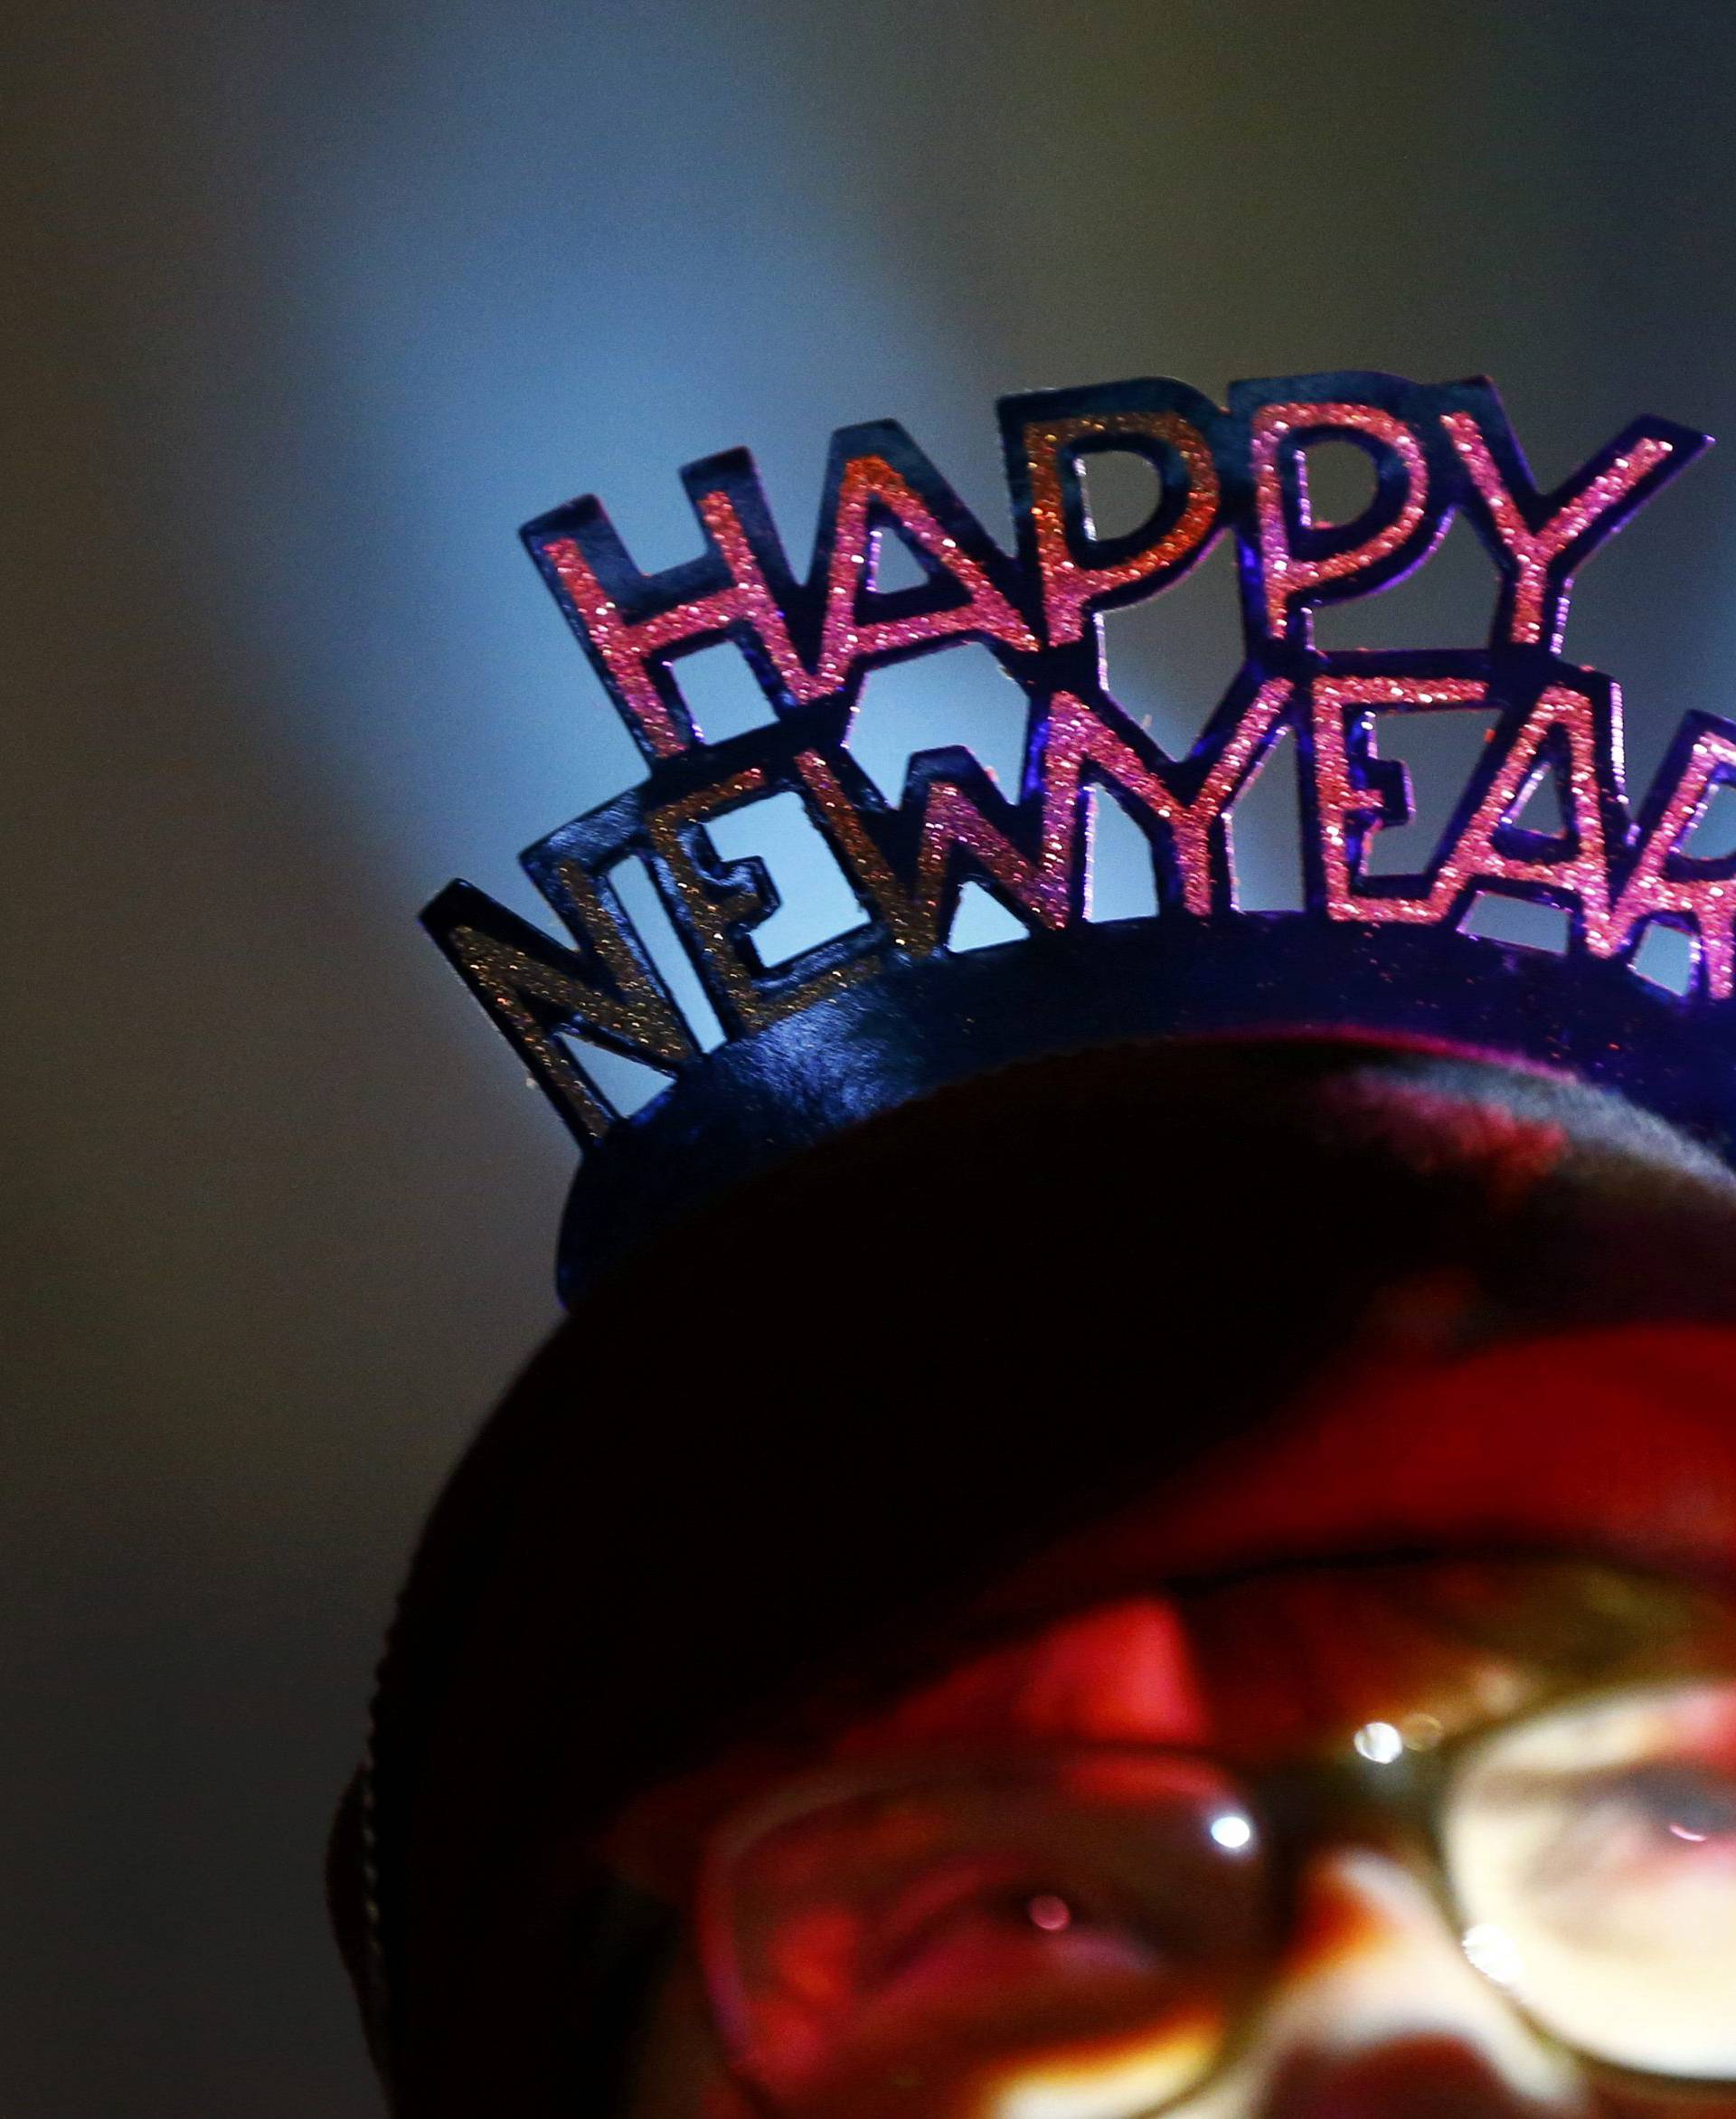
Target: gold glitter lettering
(716,923)
(507,979)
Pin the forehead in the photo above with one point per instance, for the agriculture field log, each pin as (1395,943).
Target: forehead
(1295,1659)
(1281,1665)
(1615,1444)
(1620,1442)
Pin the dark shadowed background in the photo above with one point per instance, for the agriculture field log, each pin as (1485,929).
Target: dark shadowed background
(316,303)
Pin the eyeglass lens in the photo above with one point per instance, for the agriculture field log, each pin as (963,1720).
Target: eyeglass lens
(1592,1852)
(1086,1934)
(1101,1912)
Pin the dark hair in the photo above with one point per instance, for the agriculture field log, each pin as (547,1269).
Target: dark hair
(787,1440)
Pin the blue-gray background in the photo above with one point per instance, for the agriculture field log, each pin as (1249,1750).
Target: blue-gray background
(319,302)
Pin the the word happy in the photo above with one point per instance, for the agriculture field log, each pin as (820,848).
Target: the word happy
(1240,470)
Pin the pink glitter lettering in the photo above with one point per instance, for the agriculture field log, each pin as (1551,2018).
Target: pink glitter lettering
(844,643)
(1533,552)
(1075,737)
(1476,858)
(1286,576)
(1069,589)
(1342,803)
(628,648)
(1707,903)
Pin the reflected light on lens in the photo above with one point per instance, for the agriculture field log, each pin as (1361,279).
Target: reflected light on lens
(1493,1952)
(1421,1732)
(1049,1912)
(1379,1742)
(1230,1830)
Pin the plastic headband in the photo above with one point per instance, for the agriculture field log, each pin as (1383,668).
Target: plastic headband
(885,1012)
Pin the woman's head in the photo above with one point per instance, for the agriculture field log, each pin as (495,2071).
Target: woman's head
(1026,1353)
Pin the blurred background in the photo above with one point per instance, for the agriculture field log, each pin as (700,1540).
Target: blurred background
(315,303)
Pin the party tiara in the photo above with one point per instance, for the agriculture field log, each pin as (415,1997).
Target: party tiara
(886,1011)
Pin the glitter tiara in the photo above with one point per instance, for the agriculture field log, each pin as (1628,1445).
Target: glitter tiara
(886,1011)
